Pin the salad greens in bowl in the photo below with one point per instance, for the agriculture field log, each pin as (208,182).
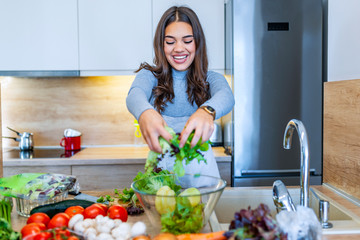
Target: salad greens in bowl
(178,204)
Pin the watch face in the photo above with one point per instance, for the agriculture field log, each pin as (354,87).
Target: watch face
(210,109)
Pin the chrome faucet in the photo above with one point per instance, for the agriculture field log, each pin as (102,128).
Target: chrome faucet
(281,197)
(305,158)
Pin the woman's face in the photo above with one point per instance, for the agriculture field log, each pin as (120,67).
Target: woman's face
(179,45)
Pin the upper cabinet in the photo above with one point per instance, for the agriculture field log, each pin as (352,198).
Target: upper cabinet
(343,50)
(114,36)
(38,35)
(94,38)
(211,16)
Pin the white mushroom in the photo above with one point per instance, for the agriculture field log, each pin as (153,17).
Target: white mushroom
(76,218)
(89,222)
(121,238)
(117,222)
(79,227)
(100,219)
(104,236)
(138,228)
(110,223)
(91,237)
(123,230)
(90,232)
(102,228)
(125,226)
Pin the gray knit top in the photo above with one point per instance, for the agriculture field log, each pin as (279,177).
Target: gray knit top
(140,97)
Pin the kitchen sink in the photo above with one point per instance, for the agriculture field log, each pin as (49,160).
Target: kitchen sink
(234,199)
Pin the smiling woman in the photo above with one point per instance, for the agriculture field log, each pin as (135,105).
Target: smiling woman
(179,45)
(178,90)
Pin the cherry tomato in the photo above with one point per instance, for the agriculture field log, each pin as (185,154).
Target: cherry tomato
(71,211)
(58,237)
(118,212)
(63,232)
(43,236)
(93,210)
(39,218)
(103,206)
(59,220)
(31,236)
(32,229)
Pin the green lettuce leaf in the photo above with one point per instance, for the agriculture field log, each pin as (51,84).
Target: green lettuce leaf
(184,219)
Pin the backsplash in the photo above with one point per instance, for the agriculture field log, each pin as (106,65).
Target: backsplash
(341,153)
(46,107)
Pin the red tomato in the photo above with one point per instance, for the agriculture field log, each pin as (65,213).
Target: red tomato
(43,236)
(71,211)
(30,237)
(59,220)
(32,229)
(39,218)
(93,210)
(118,212)
(63,232)
(102,205)
(58,237)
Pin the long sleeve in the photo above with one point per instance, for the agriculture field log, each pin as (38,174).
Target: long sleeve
(222,98)
(138,99)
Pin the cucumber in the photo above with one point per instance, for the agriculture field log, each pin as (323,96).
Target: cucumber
(54,208)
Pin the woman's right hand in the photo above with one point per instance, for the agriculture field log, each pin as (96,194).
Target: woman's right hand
(152,125)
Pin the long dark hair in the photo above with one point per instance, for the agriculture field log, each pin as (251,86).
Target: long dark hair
(197,87)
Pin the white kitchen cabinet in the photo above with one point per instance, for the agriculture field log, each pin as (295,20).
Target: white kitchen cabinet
(343,55)
(38,35)
(97,38)
(114,36)
(211,16)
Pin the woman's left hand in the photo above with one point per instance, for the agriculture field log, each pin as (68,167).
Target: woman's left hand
(203,124)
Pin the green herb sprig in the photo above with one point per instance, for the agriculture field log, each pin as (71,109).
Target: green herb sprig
(5,209)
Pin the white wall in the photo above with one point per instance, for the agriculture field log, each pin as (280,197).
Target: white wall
(343,40)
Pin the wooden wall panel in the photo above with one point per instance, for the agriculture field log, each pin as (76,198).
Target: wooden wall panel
(341,161)
(47,106)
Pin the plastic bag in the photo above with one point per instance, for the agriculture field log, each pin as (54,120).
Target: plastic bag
(40,186)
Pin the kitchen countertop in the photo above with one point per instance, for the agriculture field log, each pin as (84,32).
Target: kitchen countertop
(18,222)
(343,202)
(103,156)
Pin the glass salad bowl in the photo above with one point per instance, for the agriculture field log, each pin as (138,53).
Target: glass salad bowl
(179,204)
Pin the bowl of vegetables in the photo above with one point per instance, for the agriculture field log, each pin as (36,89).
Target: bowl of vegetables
(177,204)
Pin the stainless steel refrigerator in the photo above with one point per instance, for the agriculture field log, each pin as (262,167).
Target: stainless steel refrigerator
(274,55)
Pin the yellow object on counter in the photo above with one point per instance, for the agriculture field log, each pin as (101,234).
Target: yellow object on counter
(137,129)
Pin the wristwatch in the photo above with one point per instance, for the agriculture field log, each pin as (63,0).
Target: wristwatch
(209,110)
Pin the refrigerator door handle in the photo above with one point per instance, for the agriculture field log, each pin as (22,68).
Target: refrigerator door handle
(275,172)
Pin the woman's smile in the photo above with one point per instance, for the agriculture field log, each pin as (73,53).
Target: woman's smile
(179,45)
(180,58)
